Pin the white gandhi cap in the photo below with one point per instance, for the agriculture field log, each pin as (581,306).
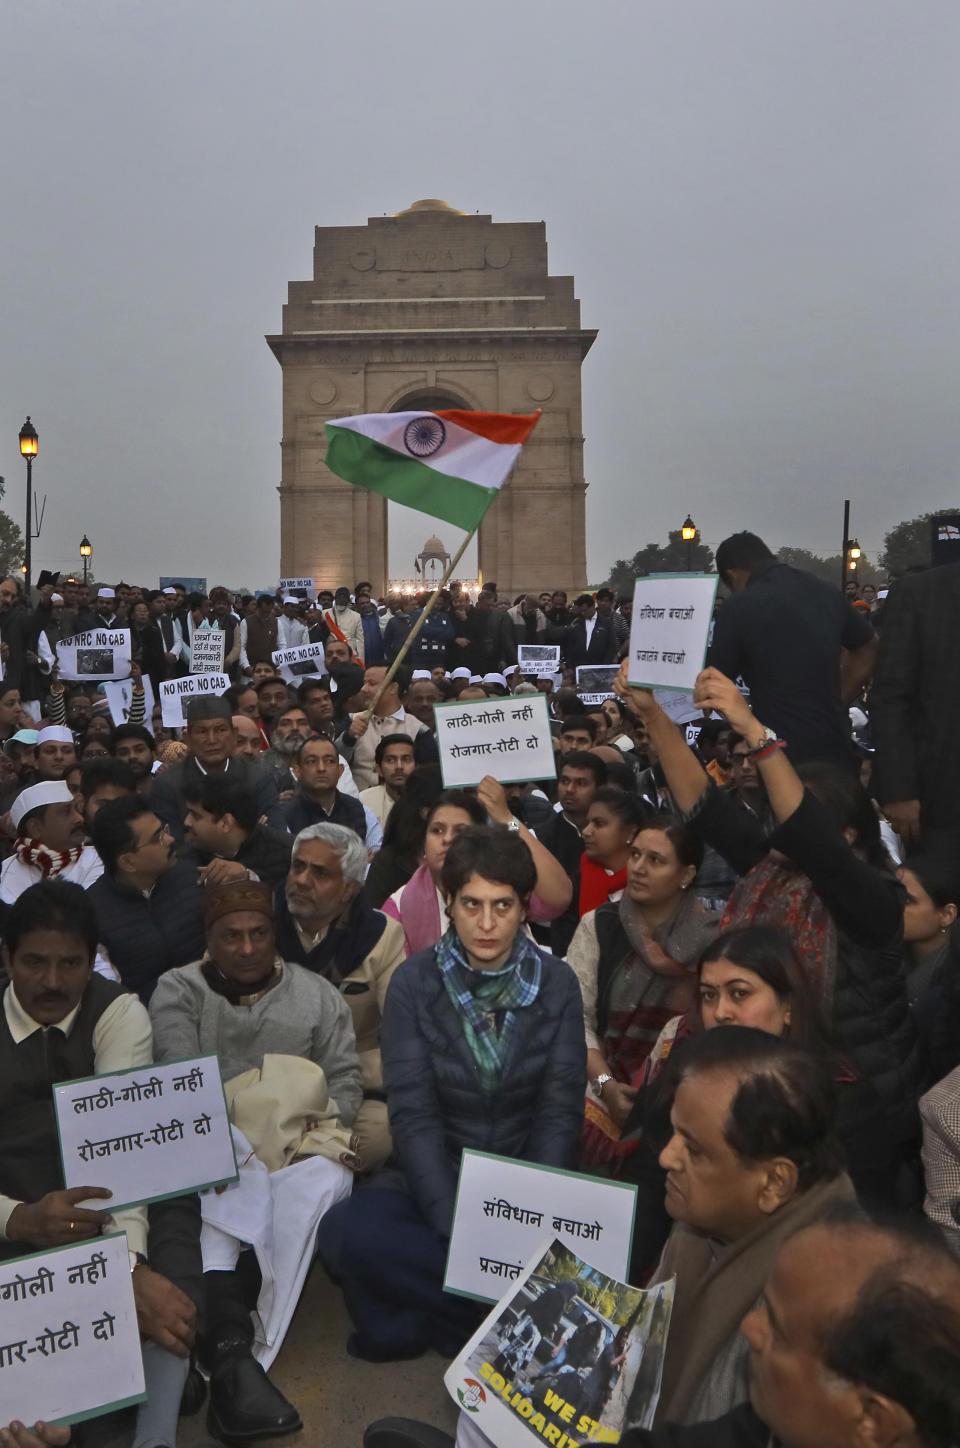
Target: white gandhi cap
(52,791)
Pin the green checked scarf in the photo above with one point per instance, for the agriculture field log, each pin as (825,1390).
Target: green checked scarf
(488,1001)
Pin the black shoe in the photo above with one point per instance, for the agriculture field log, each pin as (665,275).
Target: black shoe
(405,1433)
(194,1392)
(244,1404)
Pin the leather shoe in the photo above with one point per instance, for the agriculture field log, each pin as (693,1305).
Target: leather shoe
(244,1404)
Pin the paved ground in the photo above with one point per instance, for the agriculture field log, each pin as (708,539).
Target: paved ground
(337,1395)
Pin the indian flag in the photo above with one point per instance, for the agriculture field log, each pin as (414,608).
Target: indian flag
(448,464)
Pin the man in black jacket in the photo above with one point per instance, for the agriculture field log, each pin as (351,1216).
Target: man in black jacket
(581,775)
(318,768)
(590,639)
(211,738)
(223,829)
(149,904)
(913,708)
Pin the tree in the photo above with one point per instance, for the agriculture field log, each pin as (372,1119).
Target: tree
(11,546)
(908,545)
(652,558)
(829,569)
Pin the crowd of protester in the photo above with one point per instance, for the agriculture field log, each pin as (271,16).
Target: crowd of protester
(718,961)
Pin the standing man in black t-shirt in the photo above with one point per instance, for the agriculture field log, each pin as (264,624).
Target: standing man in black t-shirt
(801,648)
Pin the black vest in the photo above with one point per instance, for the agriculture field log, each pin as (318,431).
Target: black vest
(29,1143)
(261,639)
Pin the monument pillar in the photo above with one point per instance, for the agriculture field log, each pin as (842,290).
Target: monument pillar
(428,309)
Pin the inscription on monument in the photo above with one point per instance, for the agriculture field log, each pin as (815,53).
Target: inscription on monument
(430,258)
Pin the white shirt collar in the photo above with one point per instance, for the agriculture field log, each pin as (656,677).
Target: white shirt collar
(23,1025)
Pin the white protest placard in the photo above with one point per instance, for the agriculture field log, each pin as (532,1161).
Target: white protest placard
(298,587)
(511,1385)
(678,705)
(175,693)
(538,658)
(299,654)
(206,651)
(119,697)
(148,1133)
(670,628)
(509,738)
(505,1206)
(99,653)
(69,1344)
(595,682)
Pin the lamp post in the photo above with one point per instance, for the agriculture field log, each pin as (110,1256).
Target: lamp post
(854,554)
(28,450)
(85,551)
(688,532)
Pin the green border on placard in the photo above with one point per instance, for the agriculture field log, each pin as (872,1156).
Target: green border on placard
(580,1176)
(132,1071)
(73,1247)
(468,704)
(673,688)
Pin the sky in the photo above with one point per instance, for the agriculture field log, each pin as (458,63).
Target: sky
(758,200)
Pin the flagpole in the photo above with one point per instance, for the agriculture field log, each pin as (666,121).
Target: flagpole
(428,608)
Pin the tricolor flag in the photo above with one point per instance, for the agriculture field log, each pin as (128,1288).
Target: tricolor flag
(448,464)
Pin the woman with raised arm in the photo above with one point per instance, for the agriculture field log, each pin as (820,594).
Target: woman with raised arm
(822,877)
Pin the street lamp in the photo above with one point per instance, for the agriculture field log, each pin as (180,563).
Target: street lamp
(28,450)
(688,532)
(85,551)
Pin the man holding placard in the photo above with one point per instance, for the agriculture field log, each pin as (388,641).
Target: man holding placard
(59,1022)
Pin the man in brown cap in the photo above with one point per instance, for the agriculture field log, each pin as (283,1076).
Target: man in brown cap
(211,740)
(244,1002)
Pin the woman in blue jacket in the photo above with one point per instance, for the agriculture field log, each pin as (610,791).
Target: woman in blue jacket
(482,1046)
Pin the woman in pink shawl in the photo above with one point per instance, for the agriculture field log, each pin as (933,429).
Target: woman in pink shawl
(419,904)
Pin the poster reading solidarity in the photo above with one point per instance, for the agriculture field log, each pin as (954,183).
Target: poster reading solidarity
(298,587)
(538,658)
(509,738)
(670,629)
(71,1345)
(206,651)
(148,1133)
(504,1207)
(99,653)
(569,1355)
(595,682)
(176,693)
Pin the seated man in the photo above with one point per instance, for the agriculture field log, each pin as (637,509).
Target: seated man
(56,751)
(325,923)
(221,824)
(134,746)
(59,1022)
(359,740)
(149,904)
(244,1002)
(753,1157)
(318,769)
(50,841)
(452,1082)
(210,739)
(395,763)
(102,780)
(289,730)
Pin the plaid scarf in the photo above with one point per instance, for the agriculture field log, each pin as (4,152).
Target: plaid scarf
(41,857)
(782,896)
(488,1001)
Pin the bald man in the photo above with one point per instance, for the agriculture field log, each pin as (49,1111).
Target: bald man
(248,737)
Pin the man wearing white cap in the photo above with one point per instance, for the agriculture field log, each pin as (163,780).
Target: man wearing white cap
(106,609)
(56,751)
(50,835)
(291,629)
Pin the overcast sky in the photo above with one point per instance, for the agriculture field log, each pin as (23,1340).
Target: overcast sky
(758,200)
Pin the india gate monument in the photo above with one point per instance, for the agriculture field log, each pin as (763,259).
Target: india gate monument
(428,309)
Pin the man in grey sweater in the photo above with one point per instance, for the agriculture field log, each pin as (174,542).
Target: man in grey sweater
(243,1002)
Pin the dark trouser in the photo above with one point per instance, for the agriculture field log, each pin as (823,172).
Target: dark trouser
(230,1297)
(390,1263)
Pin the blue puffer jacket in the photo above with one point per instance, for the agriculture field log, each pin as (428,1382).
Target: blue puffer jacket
(434,1098)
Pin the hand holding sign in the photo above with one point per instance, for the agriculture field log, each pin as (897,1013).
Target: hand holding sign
(56,1220)
(672,615)
(714,691)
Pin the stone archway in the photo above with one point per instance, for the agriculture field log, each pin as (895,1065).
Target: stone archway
(433,307)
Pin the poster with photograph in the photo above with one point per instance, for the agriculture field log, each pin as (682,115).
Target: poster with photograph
(98,653)
(568,1354)
(595,682)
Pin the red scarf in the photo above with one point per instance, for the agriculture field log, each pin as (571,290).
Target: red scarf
(41,857)
(780,895)
(596,886)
